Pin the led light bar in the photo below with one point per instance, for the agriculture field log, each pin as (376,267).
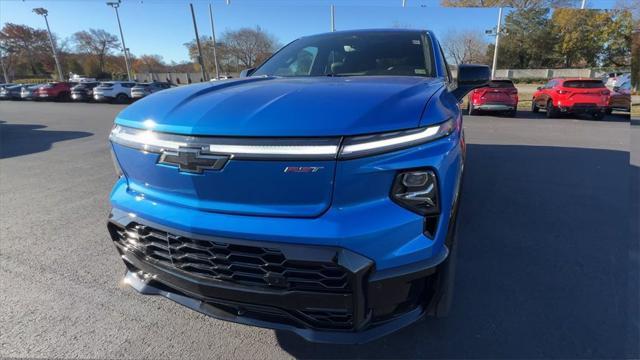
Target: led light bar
(281,148)
(146,140)
(237,148)
(380,143)
(294,150)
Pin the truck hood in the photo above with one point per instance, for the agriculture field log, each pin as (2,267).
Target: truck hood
(289,107)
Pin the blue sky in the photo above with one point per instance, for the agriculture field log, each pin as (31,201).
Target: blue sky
(163,26)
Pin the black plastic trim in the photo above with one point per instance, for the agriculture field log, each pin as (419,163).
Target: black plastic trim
(278,309)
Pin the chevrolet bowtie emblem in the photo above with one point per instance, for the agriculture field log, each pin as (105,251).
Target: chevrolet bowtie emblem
(192,160)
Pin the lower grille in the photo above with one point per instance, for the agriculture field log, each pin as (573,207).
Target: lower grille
(325,318)
(241,264)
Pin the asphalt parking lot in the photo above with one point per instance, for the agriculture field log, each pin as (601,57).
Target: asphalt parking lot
(548,256)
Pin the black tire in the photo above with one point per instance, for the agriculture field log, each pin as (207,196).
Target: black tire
(609,111)
(534,107)
(446,277)
(446,274)
(64,97)
(598,115)
(122,99)
(552,112)
(512,113)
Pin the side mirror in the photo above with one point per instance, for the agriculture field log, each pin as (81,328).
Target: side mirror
(471,77)
(616,88)
(247,72)
(539,88)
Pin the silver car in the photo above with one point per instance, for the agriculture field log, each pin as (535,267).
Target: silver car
(143,89)
(26,93)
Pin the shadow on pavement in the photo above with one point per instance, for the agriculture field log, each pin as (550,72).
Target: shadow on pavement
(22,139)
(547,264)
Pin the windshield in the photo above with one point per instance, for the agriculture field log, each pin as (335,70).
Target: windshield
(353,54)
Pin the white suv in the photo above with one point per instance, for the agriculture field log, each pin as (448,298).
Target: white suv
(117,91)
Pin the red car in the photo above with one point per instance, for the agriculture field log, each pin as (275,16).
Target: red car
(498,95)
(572,95)
(53,91)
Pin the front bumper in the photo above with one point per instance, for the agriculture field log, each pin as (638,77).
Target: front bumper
(100,97)
(358,304)
(78,96)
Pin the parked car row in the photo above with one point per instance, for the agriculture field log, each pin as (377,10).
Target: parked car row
(558,96)
(106,91)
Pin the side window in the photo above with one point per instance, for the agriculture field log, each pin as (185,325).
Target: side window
(301,64)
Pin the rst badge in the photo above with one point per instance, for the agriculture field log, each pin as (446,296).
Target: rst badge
(303,169)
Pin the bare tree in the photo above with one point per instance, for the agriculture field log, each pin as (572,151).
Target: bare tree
(149,63)
(249,46)
(517,4)
(96,42)
(629,5)
(465,47)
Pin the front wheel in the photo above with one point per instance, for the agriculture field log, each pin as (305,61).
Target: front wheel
(446,279)
(551,110)
(64,97)
(534,107)
(599,115)
(122,99)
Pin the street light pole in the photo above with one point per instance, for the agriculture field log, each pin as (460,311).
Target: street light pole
(44,13)
(404,3)
(333,18)
(115,5)
(584,4)
(4,69)
(200,59)
(213,38)
(495,49)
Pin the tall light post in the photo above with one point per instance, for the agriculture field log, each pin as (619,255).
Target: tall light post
(213,38)
(200,59)
(4,69)
(497,31)
(115,5)
(584,4)
(44,13)
(333,17)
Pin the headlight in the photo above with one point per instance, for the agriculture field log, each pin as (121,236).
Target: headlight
(380,143)
(116,165)
(417,190)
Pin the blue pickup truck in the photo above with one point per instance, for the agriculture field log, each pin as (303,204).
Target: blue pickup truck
(317,193)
